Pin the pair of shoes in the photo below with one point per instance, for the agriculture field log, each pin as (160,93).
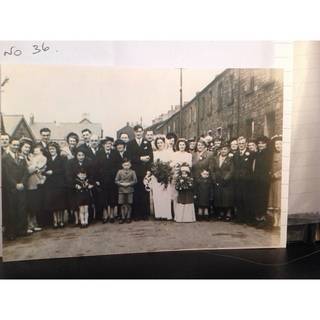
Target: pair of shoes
(36,229)
(104,221)
(121,221)
(128,220)
(29,231)
(55,226)
(61,225)
(111,220)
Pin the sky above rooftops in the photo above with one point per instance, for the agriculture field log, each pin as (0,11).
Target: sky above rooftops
(111,96)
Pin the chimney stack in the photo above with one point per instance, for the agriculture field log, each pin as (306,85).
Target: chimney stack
(31,118)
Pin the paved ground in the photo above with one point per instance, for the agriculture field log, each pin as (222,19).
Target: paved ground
(142,236)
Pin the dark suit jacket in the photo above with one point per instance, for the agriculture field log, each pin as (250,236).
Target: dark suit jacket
(58,177)
(223,181)
(106,168)
(14,172)
(118,159)
(135,152)
(200,163)
(262,160)
(243,165)
(223,174)
(73,167)
(88,151)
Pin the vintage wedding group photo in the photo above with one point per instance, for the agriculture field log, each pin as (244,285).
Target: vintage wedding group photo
(100,160)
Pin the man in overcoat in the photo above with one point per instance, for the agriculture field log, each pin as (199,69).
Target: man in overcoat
(15,175)
(243,164)
(140,153)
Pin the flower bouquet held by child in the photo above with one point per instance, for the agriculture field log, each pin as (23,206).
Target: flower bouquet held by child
(184,211)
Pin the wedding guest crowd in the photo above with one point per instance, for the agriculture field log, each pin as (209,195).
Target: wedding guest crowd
(166,177)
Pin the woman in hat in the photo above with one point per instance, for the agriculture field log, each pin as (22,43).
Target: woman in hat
(274,204)
(106,173)
(222,171)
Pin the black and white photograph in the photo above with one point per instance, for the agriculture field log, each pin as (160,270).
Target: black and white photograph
(101,160)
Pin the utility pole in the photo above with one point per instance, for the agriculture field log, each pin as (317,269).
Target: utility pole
(181,102)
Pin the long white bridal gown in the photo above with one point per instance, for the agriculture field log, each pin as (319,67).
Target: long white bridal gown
(161,195)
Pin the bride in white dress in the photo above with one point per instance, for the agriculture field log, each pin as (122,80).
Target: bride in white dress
(161,194)
(182,212)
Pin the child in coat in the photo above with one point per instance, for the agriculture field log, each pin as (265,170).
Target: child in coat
(203,191)
(83,190)
(126,178)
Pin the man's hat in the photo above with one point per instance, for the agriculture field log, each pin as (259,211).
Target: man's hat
(106,139)
(224,144)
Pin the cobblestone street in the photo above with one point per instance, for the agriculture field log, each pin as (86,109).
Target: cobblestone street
(137,237)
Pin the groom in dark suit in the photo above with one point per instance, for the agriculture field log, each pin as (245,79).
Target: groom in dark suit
(140,153)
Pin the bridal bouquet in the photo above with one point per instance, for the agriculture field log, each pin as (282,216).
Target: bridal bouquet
(162,172)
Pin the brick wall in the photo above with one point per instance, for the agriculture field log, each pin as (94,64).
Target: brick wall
(239,102)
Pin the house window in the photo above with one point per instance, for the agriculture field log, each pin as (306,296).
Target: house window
(249,128)
(270,124)
(220,96)
(174,126)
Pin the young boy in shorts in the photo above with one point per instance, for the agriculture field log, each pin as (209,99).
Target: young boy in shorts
(126,178)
